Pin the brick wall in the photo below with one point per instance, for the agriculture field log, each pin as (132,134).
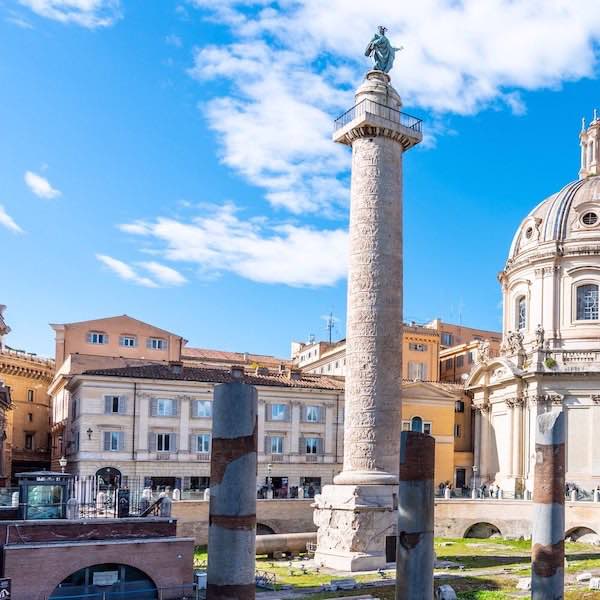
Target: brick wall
(36,569)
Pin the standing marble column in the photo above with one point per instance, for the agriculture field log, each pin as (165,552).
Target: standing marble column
(484,451)
(232,511)
(548,537)
(517,463)
(356,516)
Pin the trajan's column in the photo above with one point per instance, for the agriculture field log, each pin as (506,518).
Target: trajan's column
(356,517)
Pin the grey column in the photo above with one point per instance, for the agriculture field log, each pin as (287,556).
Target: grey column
(548,539)
(414,550)
(232,513)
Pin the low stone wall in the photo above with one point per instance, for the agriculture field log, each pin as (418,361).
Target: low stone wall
(279,516)
(454,518)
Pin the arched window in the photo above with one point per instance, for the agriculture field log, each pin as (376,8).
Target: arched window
(590,153)
(521,313)
(587,302)
(416,424)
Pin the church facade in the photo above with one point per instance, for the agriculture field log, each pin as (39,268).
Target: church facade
(550,353)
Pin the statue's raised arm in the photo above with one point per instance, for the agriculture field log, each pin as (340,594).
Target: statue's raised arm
(382,52)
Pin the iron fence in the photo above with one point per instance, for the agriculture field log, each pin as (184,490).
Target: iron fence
(366,105)
(180,592)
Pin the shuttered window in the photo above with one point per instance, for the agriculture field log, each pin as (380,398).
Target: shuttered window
(312,414)
(202,408)
(166,442)
(115,405)
(311,445)
(201,443)
(278,412)
(164,407)
(113,441)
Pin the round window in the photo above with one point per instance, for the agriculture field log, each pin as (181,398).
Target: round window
(589,218)
(529,232)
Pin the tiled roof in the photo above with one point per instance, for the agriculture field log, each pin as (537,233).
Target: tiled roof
(216,375)
(222,356)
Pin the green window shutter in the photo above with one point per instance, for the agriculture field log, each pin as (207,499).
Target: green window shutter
(122,405)
(107,440)
(107,405)
(172,442)
(152,442)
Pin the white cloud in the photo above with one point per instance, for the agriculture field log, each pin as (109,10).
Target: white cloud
(7,221)
(292,66)
(40,186)
(174,40)
(87,13)
(276,130)
(125,271)
(219,242)
(165,275)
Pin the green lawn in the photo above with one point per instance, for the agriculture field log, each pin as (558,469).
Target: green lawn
(491,569)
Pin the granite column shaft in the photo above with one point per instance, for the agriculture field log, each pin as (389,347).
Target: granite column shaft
(548,539)
(414,549)
(232,512)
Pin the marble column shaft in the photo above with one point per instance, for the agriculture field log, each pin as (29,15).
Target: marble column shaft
(374,335)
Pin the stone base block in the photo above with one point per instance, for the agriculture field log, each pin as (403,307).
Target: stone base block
(356,526)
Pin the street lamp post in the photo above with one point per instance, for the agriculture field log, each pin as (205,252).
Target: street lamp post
(62,461)
(269,482)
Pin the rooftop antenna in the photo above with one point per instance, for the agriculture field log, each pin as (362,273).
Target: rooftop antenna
(330,324)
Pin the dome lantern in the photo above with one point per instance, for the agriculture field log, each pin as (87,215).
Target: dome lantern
(589,140)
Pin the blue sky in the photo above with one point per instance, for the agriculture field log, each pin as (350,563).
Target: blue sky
(172,159)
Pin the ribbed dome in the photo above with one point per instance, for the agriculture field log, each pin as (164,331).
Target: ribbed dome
(573,213)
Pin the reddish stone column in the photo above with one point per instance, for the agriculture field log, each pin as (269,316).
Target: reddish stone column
(414,549)
(548,539)
(232,512)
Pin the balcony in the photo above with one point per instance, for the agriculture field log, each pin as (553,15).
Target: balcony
(368,113)
(314,458)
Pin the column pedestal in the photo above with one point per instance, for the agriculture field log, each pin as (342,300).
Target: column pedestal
(355,522)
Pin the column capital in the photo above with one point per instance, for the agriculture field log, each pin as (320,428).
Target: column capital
(482,407)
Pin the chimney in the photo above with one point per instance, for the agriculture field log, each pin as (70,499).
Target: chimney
(261,370)
(176,367)
(295,374)
(237,371)
(282,369)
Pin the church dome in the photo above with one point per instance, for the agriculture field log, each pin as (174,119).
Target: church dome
(571,214)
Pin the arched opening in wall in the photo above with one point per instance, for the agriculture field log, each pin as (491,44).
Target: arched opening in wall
(108,477)
(416,424)
(112,580)
(584,535)
(481,531)
(262,529)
